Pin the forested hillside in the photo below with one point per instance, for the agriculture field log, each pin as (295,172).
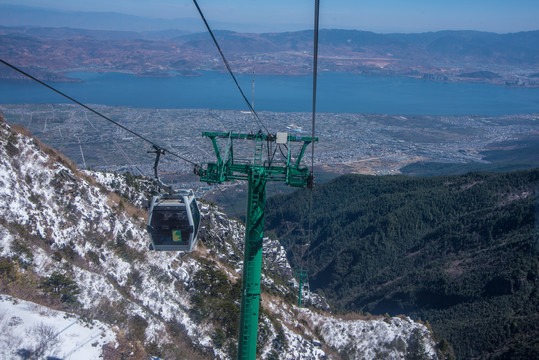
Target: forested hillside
(460,252)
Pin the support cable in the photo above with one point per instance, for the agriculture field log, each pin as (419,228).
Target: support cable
(95,112)
(127,158)
(315,73)
(253,99)
(311,175)
(233,207)
(229,68)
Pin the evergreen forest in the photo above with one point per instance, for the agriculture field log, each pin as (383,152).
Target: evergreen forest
(459,252)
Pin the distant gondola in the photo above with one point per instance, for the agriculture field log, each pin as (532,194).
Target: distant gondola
(174,222)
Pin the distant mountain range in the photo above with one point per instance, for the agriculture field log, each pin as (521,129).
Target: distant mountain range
(507,59)
(16,15)
(86,41)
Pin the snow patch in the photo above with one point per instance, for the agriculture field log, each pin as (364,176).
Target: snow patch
(29,328)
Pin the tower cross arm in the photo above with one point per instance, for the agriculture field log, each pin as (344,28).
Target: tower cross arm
(230,169)
(259,135)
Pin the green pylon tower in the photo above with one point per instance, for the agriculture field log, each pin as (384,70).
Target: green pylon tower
(257,172)
(302,276)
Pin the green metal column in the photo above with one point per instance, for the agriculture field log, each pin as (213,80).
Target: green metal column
(302,275)
(252,264)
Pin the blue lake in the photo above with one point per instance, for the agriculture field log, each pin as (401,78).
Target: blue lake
(337,92)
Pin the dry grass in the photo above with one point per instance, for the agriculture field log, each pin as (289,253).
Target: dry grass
(124,349)
(89,179)
(56,156)
(357,316)
(200,252)
(350,316)
(135,212)
(62,159)
(333,354)
(116,201)
(113,199)
(20,129)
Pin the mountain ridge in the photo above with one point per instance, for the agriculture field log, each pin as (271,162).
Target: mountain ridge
(17,15)
(439,56)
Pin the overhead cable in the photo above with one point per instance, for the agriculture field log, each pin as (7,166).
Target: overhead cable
(229,68)
(95,112)
(315,72)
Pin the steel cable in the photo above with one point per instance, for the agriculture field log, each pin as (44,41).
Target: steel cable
(229,68)
(94,111)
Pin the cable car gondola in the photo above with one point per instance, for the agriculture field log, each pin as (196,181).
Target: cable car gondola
(174,222)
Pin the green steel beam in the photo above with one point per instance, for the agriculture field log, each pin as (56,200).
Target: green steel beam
(252,136)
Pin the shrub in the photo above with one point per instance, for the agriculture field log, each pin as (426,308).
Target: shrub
(135,279)
(112,313)
(416,347)
(8,269)
(153,349)
(127,253)
(23,255)
(93,257)
(61,286)
(219,338)
(137,328)
(215,298)
(45,340)
(11,149)
(21,249)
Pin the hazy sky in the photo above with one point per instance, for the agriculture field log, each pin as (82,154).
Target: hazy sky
(374,15)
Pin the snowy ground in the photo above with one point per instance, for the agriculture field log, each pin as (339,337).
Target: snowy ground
(28,329)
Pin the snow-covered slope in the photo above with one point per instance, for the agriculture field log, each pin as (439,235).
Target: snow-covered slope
(48,333)
(68,242)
